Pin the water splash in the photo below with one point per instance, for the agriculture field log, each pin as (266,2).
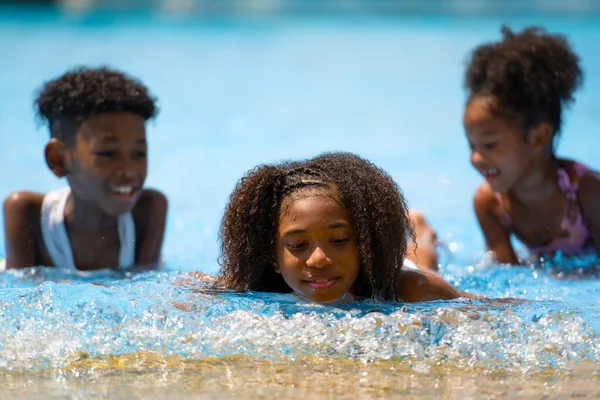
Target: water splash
(51,325)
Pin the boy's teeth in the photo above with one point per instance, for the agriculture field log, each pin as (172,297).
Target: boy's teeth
(123,189)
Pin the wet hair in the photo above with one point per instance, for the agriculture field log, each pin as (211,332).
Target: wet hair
(82,92)
(377,209)
(531,76)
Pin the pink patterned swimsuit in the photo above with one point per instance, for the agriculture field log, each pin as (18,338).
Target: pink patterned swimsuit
(576,236)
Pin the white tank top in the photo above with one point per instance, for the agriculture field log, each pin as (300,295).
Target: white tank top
(56,238)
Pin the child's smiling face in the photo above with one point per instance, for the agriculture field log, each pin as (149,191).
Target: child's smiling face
(107,164)
(316,249)
(499,151)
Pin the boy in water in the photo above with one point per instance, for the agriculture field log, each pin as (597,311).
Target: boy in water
(104,218)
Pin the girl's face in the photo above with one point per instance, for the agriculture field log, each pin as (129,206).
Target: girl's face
(316,250)
(500,151)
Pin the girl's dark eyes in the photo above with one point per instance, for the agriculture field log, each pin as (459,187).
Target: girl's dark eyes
(140,154)
(340,240)
(299,246)
(487,146)
(295,246)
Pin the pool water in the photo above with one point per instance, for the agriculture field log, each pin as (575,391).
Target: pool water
(238,92)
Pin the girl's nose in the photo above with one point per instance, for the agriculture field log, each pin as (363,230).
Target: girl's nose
(476,158)
(318,259)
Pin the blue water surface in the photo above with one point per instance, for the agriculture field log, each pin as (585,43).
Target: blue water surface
(236,92)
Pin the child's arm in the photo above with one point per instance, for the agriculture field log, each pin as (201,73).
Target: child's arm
(497,238)
(22,212)
(426,286)
(589,200)
(150,215)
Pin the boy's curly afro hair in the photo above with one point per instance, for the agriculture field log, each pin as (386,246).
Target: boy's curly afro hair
(377,209)
(83,92)
(532,76)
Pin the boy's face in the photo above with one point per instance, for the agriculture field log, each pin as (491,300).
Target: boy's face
(107,164)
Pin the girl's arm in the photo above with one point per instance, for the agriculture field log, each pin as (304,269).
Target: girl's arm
(150,215)
(589,200)
(417,286)
(497,237)
(22,212)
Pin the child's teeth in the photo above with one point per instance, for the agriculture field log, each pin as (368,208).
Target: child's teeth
(123,189)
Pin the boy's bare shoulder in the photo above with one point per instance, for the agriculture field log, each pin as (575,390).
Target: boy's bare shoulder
(23,202)
(151,197)
(151,201)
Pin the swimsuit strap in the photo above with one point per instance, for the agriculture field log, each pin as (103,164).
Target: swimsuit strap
(576,233)
(573,217)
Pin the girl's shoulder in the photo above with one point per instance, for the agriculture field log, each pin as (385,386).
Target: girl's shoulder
(485,198)
(490,207)
(582,179)
(589,187)
(588,193)
(575,169)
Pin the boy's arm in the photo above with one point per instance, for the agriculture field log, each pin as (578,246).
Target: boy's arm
(497,238)
(417,286)
(150,215)
(589,200)
(21,222)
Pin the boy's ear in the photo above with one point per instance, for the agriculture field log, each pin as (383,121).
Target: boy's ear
(55,157)
(276,267)
(540,137)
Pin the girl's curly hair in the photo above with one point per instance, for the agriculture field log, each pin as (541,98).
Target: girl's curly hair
(376,206)
(532,76)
